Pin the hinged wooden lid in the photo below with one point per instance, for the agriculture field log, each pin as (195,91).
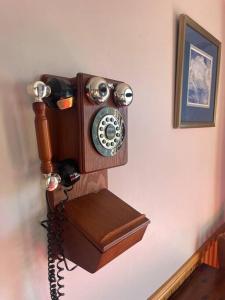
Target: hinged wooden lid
(103,218)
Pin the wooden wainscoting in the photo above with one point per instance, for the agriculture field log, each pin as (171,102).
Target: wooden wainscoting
(207,253)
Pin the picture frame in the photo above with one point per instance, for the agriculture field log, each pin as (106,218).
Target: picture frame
(197,76)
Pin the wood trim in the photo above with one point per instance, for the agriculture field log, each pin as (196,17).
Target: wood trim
(200,256)
(171,285)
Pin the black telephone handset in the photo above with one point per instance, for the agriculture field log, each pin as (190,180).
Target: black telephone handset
(62,94)
(57,94)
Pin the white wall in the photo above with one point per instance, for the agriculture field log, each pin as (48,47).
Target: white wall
(174,176)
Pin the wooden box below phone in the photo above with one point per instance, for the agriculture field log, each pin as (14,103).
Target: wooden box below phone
(99,227)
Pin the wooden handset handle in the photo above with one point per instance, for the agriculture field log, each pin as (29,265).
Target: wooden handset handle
(43,137)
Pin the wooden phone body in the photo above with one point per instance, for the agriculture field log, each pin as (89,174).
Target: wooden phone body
(67,134)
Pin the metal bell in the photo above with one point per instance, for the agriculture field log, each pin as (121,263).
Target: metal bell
(97,90)
(123,94)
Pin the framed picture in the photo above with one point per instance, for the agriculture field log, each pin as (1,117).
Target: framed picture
(198,61)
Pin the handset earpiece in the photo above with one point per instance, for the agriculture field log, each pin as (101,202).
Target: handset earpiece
(123,94)
(98,90)
(62,93)
(66,174)
(56,93)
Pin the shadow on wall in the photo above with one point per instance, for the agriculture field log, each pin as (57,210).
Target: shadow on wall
(220,163)
(219,174)
(24,207)
(208,229)
(19,130)
(175,44)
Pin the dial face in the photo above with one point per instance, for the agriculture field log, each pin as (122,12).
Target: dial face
(108,131)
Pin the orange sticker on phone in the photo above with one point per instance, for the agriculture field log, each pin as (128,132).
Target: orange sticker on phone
(65,103)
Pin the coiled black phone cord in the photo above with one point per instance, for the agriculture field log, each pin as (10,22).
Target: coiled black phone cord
(54,227)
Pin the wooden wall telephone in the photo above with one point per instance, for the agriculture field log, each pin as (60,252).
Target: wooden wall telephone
(81,128)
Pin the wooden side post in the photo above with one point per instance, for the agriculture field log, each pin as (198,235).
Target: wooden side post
(43,137)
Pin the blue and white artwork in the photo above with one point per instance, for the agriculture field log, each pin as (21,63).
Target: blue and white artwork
(199,78)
